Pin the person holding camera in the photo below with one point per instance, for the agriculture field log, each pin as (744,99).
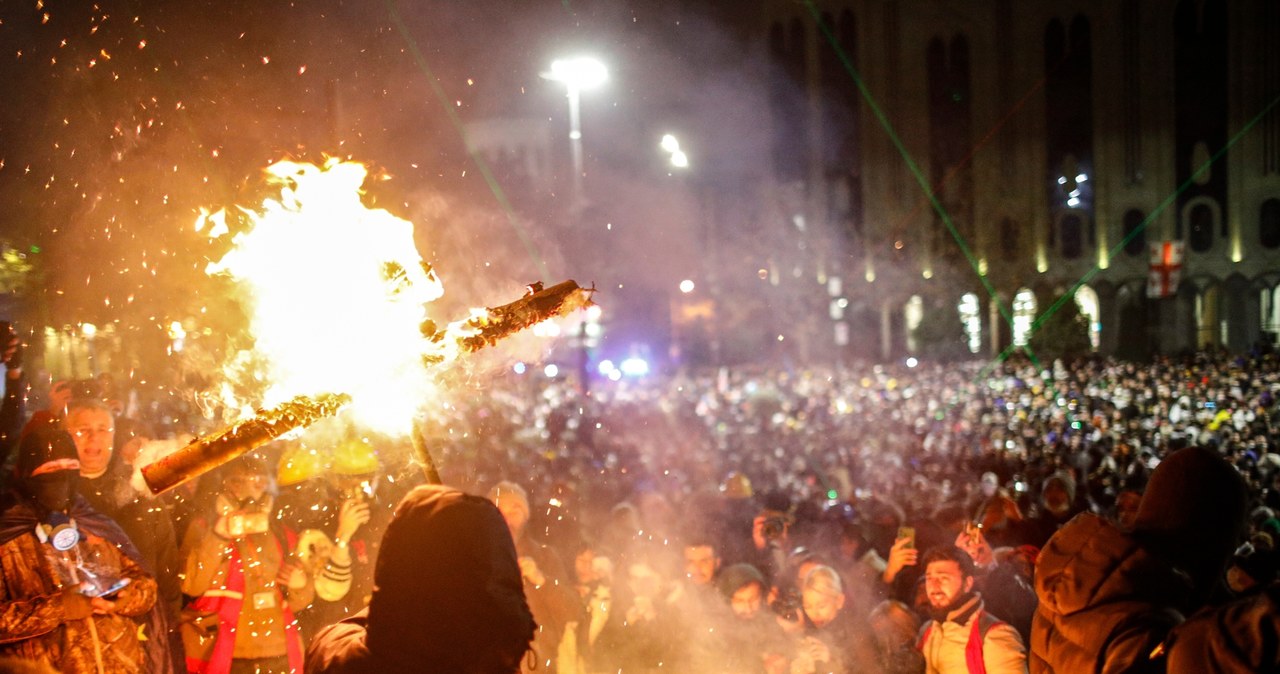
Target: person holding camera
(12,409)
(246,583)
(72,592)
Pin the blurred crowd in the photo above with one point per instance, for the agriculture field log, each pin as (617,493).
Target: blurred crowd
(1090,516)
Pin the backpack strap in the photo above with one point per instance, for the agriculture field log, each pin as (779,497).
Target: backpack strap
(924,635)
(982,624)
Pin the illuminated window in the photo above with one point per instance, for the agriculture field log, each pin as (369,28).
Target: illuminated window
(1024,313)
(1087,299)
(971,317)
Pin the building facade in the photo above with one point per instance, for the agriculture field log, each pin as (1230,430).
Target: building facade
(994,155)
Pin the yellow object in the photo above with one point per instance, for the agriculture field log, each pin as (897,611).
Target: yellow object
(736,486)
(355,456)
(299,465)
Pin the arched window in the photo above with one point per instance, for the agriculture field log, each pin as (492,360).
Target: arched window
(1137,245)
(1269,224)
(1090,308)
(971,317)
(1200,227)
(912,314)
(1072,230)
(1009,239)
(1024,314)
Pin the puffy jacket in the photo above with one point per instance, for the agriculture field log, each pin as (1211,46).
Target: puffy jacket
(1106,603)
(1238,637)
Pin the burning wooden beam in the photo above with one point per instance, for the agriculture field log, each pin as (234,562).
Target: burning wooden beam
(209,452)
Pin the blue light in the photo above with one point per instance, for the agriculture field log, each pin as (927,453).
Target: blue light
(519,368)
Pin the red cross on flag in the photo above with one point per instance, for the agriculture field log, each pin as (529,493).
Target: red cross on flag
(1166,268)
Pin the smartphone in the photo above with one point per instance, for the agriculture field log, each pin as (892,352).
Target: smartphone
(908,533)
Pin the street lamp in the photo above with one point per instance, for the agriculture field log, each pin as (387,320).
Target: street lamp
(577,74)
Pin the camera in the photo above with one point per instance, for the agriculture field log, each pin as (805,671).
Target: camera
(86,388)
(788,605)
(773,528)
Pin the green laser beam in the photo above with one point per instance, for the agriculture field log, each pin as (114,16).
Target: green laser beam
(1088,276)
(498,194)
(912,166)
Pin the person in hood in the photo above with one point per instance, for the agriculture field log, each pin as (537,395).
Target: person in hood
(74,594)
(448,596)
(1108,599)
(1057,507)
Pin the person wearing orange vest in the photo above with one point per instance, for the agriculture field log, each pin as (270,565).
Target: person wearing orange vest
(962,637)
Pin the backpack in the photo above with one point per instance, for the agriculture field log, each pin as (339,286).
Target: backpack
(977,637)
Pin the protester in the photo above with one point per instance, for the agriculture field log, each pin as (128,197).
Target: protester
(74,594)
(962,636)
(245,579)
(1108,599)
(448,596)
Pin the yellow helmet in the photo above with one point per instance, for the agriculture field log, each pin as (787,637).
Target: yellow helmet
(355,456)
(299,464)
(736,486)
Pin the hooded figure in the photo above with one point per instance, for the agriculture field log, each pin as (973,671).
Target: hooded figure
(448,595)
(75,595)
(1109,599)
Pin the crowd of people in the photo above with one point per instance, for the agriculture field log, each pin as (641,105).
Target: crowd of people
(1088,516)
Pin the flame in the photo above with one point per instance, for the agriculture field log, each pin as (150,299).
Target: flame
(336,299)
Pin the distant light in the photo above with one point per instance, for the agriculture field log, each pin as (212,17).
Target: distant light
(670,144)
(606,366)
(679,159)
(634,367)
(686,286)
(1074,193)
(594,312)
(1081,178)
(832,494)
(551,371)
(1073,202)
(843,303)
(1062,180)
(583,72)
(912,362)
(519,368)
(928,273)
(89,330)
(615,375)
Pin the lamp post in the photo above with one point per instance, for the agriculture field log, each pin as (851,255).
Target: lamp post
(577,74)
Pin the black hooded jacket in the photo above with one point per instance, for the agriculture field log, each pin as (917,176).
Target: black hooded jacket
(448,596)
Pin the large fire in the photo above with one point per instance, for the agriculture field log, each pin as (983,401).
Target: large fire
(336,294)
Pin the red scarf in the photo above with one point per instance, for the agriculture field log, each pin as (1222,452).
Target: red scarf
(226,603)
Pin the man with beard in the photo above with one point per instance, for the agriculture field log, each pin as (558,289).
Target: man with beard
(70,582)
(104,483)
(244,578)
(962,637)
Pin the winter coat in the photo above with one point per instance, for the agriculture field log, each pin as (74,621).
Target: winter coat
(946,644)
(34,627)
(1106,603)
(448,595)
(234,583)
(1238,637)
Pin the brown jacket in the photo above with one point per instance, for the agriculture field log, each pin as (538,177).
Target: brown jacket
(34,627)
(207,563)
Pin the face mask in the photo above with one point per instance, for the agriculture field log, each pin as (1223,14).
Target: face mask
(54,491)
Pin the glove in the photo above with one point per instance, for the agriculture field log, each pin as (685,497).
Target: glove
(75,606)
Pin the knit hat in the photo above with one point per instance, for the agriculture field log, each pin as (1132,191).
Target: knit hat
(737,577)
(1194,511)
